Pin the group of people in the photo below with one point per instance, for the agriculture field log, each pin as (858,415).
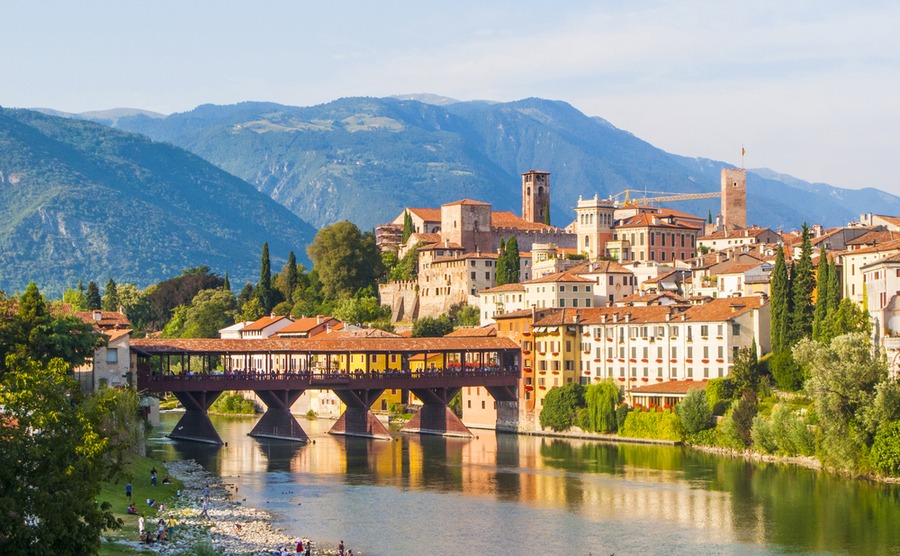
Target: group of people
(163,530)
(304,546)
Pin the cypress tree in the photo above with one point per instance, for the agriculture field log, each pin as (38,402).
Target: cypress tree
(501,271)
(408,228)
(709,216)
(780,304)
(834,288)
(226,285)
(93,296)
(264,287)
(802,285)
(512,260)
(110,300)
(821,311)
(291,277)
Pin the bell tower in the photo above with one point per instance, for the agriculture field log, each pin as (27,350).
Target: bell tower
(536,196)
(734,198)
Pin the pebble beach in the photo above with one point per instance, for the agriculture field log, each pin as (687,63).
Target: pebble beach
(232,527)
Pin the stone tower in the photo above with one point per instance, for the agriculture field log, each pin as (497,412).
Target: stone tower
(536,196)
(594,222)
(734,198)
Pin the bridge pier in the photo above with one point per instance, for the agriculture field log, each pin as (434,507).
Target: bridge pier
(195,424)
(277,421)
(435,416)
(358,419)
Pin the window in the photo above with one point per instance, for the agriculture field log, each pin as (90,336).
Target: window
(704,330)
(487,275)
(736,329)
(574,288)
(473,275)
(112,356)
(562,288)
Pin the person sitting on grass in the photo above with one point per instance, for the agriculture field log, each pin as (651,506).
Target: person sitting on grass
(132,509)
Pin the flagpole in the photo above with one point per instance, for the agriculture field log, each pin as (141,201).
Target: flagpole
(742,156)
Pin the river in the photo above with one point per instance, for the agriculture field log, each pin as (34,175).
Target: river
(502,494)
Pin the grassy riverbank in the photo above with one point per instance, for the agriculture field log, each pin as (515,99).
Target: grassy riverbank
(137,472)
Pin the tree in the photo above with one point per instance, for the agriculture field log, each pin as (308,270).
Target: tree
(361,308)
(226,283)
(76,298)
(744,373)
(739,421)
(406,268)
(834,287)
(512,261)
(802,286)
(709,216)
(110,300)
(93,296)
(264,286)
(694,412)
(501,272)
(346,259)
(780,304)
(848,318)
(290,277)
(252,310)
(561,405)
(135,304)
(408,228)
(601,400)
(171,293)
(821,310)
(428,327)
(843,382)
(52,454)
(209,312)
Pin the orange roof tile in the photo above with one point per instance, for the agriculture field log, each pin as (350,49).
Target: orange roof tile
(515,287)
(505,219)
(427,214)
(564,276)
(676,387)
(305,324)
(107,320)
(263,322)
(480,332)
(466,202)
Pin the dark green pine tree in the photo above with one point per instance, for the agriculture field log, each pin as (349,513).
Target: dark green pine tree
(264,287)
(512,260)
(780,304)
(834,288)
(803,283)
(501,271)
(709,216)
(821,311)
(291,277)
(93,296)
(408,228)
(226,284)
(110,301)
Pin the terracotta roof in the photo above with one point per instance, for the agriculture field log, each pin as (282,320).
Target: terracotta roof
(886,246)
(874,238)
(565,276)
(717,310)
(362,333)
(599,267)
(320,344)
(427,214)
(517,314)
(650,298)
(737,234)
(482,332)
(304,325)
(644,220)
(890,260)
(263,322)
(741,268)
(112,335)
(426,238)
(505,219)
(676,387)
(108,319)
(515,287)
(440,245)
(895,220)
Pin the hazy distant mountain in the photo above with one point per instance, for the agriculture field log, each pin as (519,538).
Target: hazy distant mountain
(79,200)
(364,159)
(107,117)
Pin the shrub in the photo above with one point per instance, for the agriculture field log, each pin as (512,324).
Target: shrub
(561,406)
(233,404)
(662,425)
(601,400)
(621,413)
(761,433)
(790,432)
(708,437)
(694,412)
(719,393)
(885,453)
(787,373)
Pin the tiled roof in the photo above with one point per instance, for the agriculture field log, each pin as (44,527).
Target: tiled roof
(426,238)
(886,246)
(466,202)
(427,214)
(887,260)
(565,276)
(717,310)
(599,267)
(305,324)
(650,298)
(262,323)
(108,319)
(481,332)
(320,344)
(736,234)
(441,245)
(362,333)
(505,219)
(740,268)
(515,287)
(516,314)
(644,220)
(112,335)
(874,238)
(675,387)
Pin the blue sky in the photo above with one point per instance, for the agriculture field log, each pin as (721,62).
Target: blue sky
(808,88)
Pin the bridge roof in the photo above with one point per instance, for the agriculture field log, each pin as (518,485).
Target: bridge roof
(198,346)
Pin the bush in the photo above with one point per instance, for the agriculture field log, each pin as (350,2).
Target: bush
(719,393)
(787,373)
(708,437)
(233,404)
(761,433)
(662,425)
(790,432)
(694,412)
(561,406)
(621,413)
(885,453)
(601,400)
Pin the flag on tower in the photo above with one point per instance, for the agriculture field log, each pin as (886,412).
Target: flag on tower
(743,152)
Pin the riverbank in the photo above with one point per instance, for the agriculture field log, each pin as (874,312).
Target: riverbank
(231,526)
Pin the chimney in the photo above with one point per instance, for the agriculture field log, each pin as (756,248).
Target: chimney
(603,318)
(98,315)
(683,318)
(616,316)
(627,317)
(668,316)
(320,319)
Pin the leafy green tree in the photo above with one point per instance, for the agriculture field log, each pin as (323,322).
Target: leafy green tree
(821,310)
(52,454)
(175,327)
(209,312)
(601,400)
(780,304)
(165,296)
(738,422)
(136,305)
(93,297)
(110,301)
(76,298)
(464,315)
(407,268)
(802,286)
(361,308)
(115,411)
(694,412)
(264,286)
(843,380)
(561,405)
(790,433)
(291,277)
(834,287)
(408,228)
(500,271)
(252,310)
(745,373)
(346,259)
(512,260)
(246,294)
(719,394)
(429,327)
(848,318)
(885,454)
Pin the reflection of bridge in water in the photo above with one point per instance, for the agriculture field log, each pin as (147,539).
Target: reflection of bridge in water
(284,368)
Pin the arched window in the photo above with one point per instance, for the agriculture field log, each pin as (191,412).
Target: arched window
(587,241)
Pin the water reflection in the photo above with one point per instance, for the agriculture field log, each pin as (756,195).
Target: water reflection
(521,492)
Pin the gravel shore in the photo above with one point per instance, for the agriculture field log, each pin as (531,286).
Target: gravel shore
(232,527)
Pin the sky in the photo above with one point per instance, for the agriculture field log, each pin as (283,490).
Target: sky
(808,88)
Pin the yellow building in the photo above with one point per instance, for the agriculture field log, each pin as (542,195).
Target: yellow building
(557,347)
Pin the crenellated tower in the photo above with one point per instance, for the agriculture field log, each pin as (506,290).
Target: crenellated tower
(536,196)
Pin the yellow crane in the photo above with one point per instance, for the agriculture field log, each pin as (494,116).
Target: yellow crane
(639,197)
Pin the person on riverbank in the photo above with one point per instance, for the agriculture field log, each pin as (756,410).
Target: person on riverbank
(141,526)
(171,525)
(131,509)
(299,546)
(153,477)
(341,548)
(205,508)
(128,491)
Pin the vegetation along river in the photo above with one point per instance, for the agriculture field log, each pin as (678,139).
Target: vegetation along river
(508,494)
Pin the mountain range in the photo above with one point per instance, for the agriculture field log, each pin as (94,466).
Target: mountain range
(365,159)
(82,201)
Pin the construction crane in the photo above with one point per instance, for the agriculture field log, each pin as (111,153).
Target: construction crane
(663,197)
